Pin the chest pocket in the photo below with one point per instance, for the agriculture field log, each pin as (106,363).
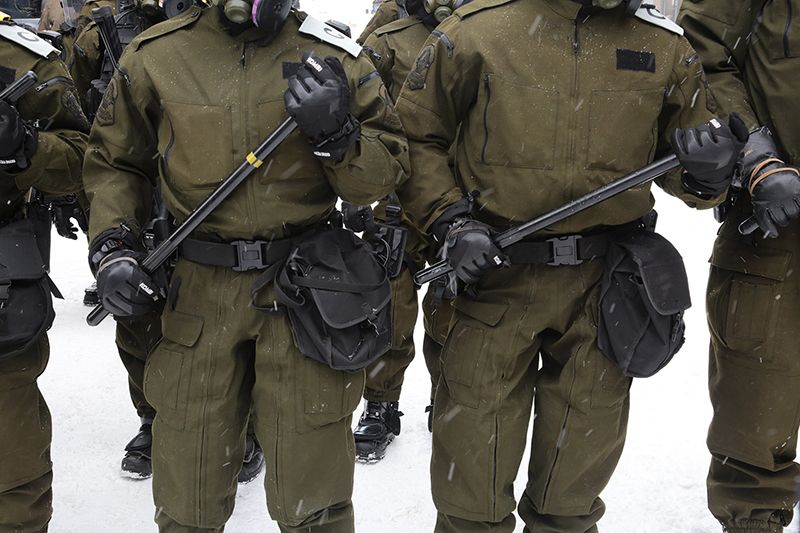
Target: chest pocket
(499,134)
(623,127)
(196,144)
(781,20)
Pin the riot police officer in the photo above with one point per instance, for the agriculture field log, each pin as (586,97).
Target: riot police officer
(545,101)
(751,54)
(218,355)
(42,140)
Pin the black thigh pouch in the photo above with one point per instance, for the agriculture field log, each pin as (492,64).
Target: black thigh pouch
(644,292)
(26,304)
(337,297)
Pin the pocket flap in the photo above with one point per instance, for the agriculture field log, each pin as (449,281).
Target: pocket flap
(488,313)
(662,270)
(182,328)
(754,260)
(19,253)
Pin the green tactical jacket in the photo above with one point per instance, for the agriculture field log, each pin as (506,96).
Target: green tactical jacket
(393,49)
(751,53)
(55,168)
(386,13)
(551,105)
(199,101)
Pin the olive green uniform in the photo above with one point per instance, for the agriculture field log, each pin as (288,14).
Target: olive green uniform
(25,467)
(386,13)
(218,354)
(751,53)
(393,49)
(134,338)
(545,102)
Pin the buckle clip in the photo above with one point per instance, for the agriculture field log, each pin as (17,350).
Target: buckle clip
(248,255)
(565,250)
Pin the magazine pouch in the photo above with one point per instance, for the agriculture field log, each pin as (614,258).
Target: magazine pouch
(26,304)
(644,292)
(337,298)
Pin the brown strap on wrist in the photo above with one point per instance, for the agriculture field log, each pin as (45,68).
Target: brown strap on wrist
(755,179)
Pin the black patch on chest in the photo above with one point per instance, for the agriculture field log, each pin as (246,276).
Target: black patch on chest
(636,60)
(6,76)
(290,69)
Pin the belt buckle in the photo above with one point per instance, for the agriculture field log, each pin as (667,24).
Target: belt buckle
(565,250)
(248,255)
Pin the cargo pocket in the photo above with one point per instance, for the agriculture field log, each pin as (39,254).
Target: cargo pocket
(611,386)
(168,376)
(612,111)
(196,158)
(753,305)
(465,352)
(324,395)
(504,136)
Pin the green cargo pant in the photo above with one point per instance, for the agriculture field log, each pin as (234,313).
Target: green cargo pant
(753,304)
(135,339)
(218,356)
(385,375)
(436,320)
(26,473)
(489,384)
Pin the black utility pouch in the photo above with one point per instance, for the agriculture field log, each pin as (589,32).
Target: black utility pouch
(26,304)
(337,298)
(644,293)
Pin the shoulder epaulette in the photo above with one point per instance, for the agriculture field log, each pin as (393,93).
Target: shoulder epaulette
(168,26)
(649,13)
(474,7)
(398,25)
(26,38)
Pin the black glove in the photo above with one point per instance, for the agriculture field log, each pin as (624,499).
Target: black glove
(356,218)
(64,209)
(318,99)
(18,139)
(125,290)
(470,250)
(774,186)
(708,154)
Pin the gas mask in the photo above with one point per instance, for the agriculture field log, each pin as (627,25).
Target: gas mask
(269,15)
(441,9)
(157,10)
(630,8)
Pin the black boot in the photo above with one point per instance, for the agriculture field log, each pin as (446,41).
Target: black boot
(90,296)
(136,464)
(376,429)
(253,460)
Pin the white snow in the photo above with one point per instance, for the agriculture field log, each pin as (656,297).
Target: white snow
(659,485)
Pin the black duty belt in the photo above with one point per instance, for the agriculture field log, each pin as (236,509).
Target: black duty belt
(239,255)
(566,250)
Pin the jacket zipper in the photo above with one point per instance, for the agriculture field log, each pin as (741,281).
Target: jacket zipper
(53,81)
(485,118)
(788,29)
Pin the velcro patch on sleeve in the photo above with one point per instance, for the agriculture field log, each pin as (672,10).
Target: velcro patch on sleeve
(636,60)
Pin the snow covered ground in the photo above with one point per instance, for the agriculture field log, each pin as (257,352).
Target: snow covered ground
(659,485)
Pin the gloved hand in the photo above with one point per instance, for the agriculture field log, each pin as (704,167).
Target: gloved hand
(64,209)
(774,186)
(318,99)
(470,250)
(124,289)
(708,154)
(358,218)
(18,139)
